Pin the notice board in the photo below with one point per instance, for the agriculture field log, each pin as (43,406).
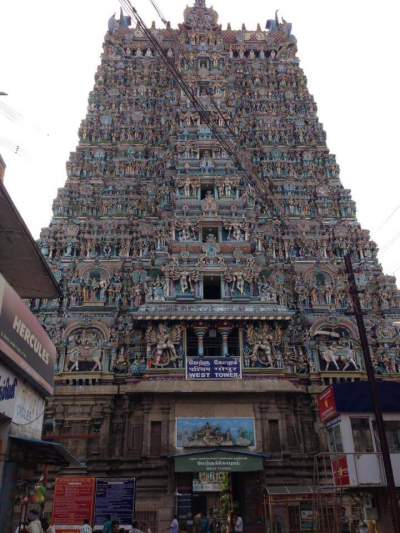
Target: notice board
(184,505)
(115,497)
(73,503)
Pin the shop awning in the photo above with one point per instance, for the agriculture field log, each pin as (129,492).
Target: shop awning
(21,262)
(219,460)
(31,451)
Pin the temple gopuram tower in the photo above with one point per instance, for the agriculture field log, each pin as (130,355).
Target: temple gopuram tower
(198,324)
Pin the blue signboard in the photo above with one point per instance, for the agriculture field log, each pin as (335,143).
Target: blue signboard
(209,368)
(115,497)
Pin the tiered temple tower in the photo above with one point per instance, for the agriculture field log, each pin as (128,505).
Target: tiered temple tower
(170,258)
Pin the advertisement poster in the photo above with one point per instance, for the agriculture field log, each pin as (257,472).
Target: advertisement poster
(73,503)
(327,405)
(211,368)
(215,432)
(184,506)
(209,481)
(115,497)
(340,471)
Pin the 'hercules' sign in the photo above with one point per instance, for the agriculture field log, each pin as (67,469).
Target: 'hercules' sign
(24,344)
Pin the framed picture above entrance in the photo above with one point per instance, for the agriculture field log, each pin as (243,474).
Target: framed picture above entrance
(215,432)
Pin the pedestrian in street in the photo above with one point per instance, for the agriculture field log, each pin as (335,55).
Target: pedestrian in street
(174,526)
(197,523)
(34,524)
(345,525)
(115,526)
(86,528)
(135,527)
(47,528)
(107,526)
(230,523)
(238,524)
(204,524)
(363,527)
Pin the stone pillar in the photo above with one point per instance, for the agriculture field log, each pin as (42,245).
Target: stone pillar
(165,414)
(146,428)
(264,410)
(200,334)
(241,346)
(224,331)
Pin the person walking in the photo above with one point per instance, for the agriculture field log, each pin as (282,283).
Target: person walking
(135,528)
(107,526)
(86,528)
(197,523)
(174,526)
(47,528)
(34,524)
(204,524)
(115,526)
(237,523)
(363,527)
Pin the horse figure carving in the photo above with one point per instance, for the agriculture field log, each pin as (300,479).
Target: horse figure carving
(76,355)
(86,347)
(339,354)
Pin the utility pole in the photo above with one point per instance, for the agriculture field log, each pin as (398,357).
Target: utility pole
(391,487)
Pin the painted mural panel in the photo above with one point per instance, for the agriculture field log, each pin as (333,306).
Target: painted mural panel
(214,432)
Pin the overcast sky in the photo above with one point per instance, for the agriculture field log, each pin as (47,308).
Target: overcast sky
(349,50)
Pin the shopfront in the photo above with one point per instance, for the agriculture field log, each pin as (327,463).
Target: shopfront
(27,359)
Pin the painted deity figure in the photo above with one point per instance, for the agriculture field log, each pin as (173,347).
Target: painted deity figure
(162,344)
(209,205)
(185,283)
(261,346)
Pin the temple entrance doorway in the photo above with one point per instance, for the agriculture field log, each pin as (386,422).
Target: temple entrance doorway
(248,501)
(218,482)
(199,504)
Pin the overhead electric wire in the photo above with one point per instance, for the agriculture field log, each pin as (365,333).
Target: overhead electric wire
(209,94)
(265,186)
(391,242)
(388,218)
(159,13)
